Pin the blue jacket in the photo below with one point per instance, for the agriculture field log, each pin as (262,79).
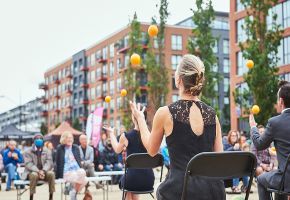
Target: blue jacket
(7,160)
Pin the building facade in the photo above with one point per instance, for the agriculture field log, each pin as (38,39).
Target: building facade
(78,85)
(237,34)
(27,117)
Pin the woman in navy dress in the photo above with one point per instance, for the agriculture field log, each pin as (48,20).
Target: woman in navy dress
(136,179)
(190,127)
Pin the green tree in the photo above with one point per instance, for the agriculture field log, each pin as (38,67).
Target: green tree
(43,128)
(261,46)
(156,69)
(201,44)
(131,72)
(76,124)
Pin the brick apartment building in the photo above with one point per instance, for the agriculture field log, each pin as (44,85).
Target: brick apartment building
(237,34)
(79,84)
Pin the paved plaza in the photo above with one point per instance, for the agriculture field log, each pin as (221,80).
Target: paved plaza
(114,194)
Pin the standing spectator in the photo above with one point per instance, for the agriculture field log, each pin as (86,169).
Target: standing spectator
(39,166)
(102,142)
(234,145)
(68,164)
(11,158)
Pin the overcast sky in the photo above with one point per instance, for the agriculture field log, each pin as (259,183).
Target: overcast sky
(37,34)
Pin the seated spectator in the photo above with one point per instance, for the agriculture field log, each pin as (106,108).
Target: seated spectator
(136,179)
(5,148)
(68,164)
(39,166)
(11,158)
(87,156)
(165,154)
(50,147)
(234,145)
(108,160)
(1,164)
(264,163)
(102,143)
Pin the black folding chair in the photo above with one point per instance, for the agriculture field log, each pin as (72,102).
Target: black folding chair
(221,166)
(281,191)
(142,161)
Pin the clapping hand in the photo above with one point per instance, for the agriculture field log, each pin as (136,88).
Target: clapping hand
(137,112)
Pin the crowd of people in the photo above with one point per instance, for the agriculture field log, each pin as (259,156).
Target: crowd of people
(189,127)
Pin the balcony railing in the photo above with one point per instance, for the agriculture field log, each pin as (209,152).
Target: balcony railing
(43,86)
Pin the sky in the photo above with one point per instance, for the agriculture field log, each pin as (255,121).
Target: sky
(36,35)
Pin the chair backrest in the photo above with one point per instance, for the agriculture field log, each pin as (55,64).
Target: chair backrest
(224,165)
(286,169)
(143,161)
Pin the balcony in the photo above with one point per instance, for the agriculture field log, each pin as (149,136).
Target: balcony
(44,100)
(43,86)
(83,68)
(56,81)
(83,118)
(143,88)
(105,113)
(85,101)
(56,96)
(68,91)
(103,77)
(102,95)
(68,107)
(69,75)
(44,113)
(57,110)
(102,60)
(123,49)
(84,85)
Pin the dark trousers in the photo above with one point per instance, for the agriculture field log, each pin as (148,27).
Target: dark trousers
(263,184)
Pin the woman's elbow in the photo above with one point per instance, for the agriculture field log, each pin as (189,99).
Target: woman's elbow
(152,152)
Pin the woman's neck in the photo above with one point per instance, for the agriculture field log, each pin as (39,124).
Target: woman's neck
(184,96)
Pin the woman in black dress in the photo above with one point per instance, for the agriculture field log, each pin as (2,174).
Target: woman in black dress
(190,127)
(136,179)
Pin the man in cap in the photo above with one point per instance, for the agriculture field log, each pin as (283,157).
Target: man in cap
(39,166)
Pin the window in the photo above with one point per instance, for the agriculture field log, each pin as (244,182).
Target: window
(119,84)
(239,5)
(241,33)
(75,67)
(81,62)
(105,52)
(220,23)
(226,100)
(175,60)
(286,50)
(118,100)
(241,64)
(112,50)
(215,47)
(104,72)
(112,69)
(98,90)
(119,65)
(105,87)
(226,84)
(226,65)
(92,93)
(276,10)
(216,86)
(175,98)
(112,87)
(215,67)
(286,14)
(173,84)
(93,59)
(98,73)
(176,42)
(92,77)
(226,46)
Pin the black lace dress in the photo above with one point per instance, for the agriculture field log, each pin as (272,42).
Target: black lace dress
(183,144)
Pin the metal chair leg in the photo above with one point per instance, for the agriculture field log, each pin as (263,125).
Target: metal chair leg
(152,195)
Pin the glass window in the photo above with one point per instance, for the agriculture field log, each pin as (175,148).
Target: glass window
(112,86)
(215,47)
(176,42)
(105,87)
(215,67)
(119,66)
(105,52)
(286,14)
(286,50)
(226,100)
(239,5)
(173,84)
(276,10)
(92,77)
(241,33)
(226,65)
(104,72)
(226,84)
(226,46)
(119,83)
(175,60)
(112,50)
(98,73)
(112,69)
(241,64)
